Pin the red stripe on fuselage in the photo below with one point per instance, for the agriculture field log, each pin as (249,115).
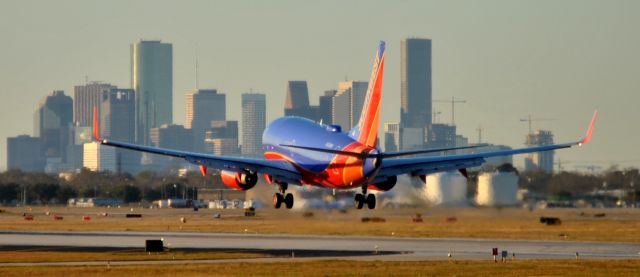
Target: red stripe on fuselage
(342,172)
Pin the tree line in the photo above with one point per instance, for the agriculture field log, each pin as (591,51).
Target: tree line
(39,188)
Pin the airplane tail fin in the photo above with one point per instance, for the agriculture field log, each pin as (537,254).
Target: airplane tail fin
(366,131)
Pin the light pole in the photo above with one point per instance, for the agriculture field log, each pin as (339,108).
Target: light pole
(175,191)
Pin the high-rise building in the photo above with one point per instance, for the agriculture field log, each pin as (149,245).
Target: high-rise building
(172,137)
(440,136)
(222,138)
(86,97)
(415,80)
(203,106)
(341,110)
(357,91)
(25,153)
(52,120)
(117,121)
(297,95)
(539,160)
(391,137)
(325,109)
(254,120)
(297,101)
(152,80)
(99,157)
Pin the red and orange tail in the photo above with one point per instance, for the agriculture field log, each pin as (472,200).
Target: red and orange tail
(96,124)
(366,132)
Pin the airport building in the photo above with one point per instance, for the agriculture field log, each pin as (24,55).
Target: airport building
(152,80)
(254,120)
(203,107)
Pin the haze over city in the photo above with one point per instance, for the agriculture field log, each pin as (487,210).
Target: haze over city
(556,60)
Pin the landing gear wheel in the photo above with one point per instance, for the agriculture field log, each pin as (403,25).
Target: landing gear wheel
(277,200)
(288,200)
(371,201)
(358,201)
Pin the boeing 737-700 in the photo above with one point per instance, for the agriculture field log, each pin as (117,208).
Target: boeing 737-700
(300,151)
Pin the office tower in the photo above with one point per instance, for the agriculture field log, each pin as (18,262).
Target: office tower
(297,101)
(440,136)
(341,110)
(415,80)
(254,119)
(326,107)
(51,122)
(542,161)
(117,121)
(222,138)
(172,137)
(203,106)
(85,98)
(297,95)
(24,153)
(357,91)
(152,81)
(391,137)
(411,138)
(78,136)
(98,157)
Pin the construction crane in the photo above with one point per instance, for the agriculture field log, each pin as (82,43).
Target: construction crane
(435,116)
(560,163)
(453,102)
(529,119)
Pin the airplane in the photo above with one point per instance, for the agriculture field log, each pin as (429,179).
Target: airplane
(300,151)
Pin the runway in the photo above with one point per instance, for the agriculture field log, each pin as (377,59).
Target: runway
(403,249)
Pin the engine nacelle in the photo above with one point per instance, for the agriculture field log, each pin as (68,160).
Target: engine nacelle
(384,185)
(239,180)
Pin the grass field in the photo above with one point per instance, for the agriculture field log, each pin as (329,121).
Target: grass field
(513,223)
(349,268)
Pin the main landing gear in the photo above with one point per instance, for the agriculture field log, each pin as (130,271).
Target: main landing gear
(360,199)
(282,197)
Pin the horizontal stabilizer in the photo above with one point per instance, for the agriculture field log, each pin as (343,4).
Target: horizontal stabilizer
(431,150)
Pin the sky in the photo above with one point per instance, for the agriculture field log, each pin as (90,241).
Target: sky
(507,59)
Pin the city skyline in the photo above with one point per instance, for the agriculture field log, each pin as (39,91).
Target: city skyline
(544,68)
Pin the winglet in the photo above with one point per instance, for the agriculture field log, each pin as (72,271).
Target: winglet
(96,126)
(587,138)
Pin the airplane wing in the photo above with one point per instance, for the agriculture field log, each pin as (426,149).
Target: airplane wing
(280,170)
(433,164)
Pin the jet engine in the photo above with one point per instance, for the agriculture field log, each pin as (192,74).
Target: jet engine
(239,180)
(384,185)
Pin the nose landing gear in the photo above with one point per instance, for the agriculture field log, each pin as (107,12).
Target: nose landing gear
(282,197)
(360,199)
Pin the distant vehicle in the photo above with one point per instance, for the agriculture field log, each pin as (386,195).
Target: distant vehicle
(300,151)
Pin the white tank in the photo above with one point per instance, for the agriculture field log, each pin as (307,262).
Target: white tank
(446,188)
(497,189)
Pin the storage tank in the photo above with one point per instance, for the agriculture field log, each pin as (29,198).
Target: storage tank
(446,189)
(497,188)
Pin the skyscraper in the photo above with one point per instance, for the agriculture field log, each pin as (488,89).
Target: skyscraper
(152,80)
(222,138)
(326,107)
(52,120)
(415,80)
(203,106)
(297,101)
(117,121)
(391,137)
(25,153)
(98,157)
(85,98)
(357,91)
(539,160)
(297,95)
(254,120)
(341,110)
